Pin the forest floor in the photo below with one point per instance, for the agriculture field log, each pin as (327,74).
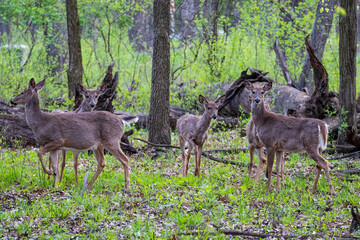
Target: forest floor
(162,204)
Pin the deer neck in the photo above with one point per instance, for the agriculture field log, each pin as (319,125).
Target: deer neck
(33,112)
(259,112)
(203,124)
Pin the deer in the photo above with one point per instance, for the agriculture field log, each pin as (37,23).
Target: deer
(193,129)
(88,104)
(97,130)
(281,133)
(256,144)
(355,223)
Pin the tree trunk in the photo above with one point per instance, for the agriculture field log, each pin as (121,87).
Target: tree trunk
(319,35)
(4,29)
(141,33)
(158,123)
(188,10)
(347,58)
(75,71)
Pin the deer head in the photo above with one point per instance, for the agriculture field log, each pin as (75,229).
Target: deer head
(25,96)
(211,107)
(257,92)
(91,96)
(355,223)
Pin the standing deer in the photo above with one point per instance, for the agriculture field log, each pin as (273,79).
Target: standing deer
(91,97)
(194,130)
(280,133)
(256,144)
(76,131)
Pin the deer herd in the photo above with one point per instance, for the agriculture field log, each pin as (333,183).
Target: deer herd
(85,129)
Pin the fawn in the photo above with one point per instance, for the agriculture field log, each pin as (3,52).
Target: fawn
(194,130)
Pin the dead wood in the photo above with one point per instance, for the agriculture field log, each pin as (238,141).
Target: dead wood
(265,235)
(283,64)
(348,171)
(350,155)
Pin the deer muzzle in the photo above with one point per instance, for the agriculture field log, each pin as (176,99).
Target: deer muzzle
(213,116)
(257,100)
(92,104)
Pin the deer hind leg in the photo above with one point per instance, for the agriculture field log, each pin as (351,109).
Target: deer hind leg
(198,151)
(270,164)
(251,163)
(120,155)
(279,164)
(63,163)
(55,166)
(322,164)
(262,162)
(99,155)
(183,155)
(283,168)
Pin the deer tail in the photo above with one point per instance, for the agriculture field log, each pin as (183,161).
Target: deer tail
(323,134)
(127,120)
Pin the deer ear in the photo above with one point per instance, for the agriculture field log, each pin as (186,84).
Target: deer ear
(101,89)
(80,88)
(203,100)
(40,85)
(247,84)
(32,84)
(220,100)
(267,86)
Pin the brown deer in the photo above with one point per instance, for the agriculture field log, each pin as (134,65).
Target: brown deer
(256,144)
(88,104)
(355,223)
(75,131)
(280,133)
(194,131)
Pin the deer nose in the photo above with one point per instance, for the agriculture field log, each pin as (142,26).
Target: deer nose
(214,116)
(12,102)
(257,100)
(92,104)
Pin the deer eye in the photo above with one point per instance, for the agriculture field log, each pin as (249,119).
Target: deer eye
(253,92)
(87,96)
(262,92)
(96,96)
(209,108)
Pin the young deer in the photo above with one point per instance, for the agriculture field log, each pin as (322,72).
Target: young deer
(88,104)
(280,133)
(76,131)
(194,130)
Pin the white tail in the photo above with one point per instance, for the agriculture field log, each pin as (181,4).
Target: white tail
(79,131)
(281,133)
(194,131)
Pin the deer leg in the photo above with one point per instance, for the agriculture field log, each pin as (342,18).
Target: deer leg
(63,163)
(55,165)
(270,163)
(251,163)
(183,155)
(52,146)
(262,162)
(198,151)
(75,162)
(187,157)
(279,160)
(119,154)
(283,167)
(99,155)
(318,172)
(322,163)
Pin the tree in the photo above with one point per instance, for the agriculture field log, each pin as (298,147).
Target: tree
(347,58)
(75,71)
(319,36)
(158,123)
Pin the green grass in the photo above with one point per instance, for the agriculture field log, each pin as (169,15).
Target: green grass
(162,203)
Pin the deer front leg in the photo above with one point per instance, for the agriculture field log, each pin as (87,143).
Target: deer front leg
(52,146)
(262,162)
(75,162)
(99,155)
(63,163)
(251,163)
(55,166)
(270,163)
(279,160)
(187,158)
(198,151)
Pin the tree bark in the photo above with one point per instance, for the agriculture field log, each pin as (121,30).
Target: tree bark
(75,71)
(347,58)
(158,123)
(188,11)
(320,33)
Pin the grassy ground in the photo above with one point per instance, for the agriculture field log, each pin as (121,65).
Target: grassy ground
(163,204)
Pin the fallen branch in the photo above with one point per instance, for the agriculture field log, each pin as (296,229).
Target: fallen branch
(265,235)
(157,145)
(348,171)
(344,156)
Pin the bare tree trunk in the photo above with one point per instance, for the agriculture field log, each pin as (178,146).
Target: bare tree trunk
(319,36)
(4,29)
(75,71)
(158,123)
(347,57)
(188,10)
